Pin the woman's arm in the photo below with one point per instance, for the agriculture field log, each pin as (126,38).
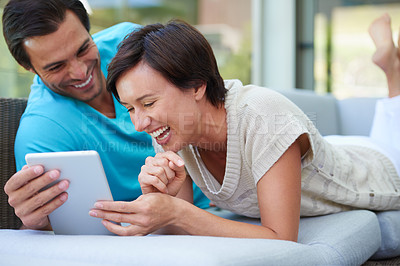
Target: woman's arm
(279,193)
(186,194)
(278,196)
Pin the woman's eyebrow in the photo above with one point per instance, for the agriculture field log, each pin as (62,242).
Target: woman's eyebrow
(144,96)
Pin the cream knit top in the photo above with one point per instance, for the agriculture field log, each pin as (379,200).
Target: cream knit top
(262,124)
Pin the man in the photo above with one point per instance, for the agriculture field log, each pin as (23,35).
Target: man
(69,107)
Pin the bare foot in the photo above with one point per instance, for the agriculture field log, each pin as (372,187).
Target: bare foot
(381,33)
(398,46)
(386,55)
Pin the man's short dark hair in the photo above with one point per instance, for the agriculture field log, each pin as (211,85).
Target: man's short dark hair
(28,18)
(178,51)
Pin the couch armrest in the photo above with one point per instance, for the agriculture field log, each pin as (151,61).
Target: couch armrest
(11,110)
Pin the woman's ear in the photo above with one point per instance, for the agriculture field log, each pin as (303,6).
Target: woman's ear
(200,91)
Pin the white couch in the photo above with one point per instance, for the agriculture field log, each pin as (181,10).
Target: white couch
(348,238)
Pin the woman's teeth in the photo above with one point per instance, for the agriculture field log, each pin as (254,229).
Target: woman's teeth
(164,137)
(157,133)
(85,83)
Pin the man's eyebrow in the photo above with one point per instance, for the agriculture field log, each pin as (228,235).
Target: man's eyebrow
(46,67)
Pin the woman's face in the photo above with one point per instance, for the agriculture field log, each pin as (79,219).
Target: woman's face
(159,108)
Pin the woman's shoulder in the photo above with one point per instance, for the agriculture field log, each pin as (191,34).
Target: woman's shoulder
(253,98)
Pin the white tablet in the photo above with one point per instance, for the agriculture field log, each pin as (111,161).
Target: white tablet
(88,183)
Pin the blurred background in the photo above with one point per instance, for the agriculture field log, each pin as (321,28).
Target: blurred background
(320,45)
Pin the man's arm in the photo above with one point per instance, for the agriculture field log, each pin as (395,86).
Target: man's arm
(24,188)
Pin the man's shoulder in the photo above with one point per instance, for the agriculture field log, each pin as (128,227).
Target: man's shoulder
(107,41)
(115,32)
(47,104)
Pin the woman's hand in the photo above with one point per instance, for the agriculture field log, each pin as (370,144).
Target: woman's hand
(163,173)
(145,215)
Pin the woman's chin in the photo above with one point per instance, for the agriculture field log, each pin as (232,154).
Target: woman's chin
(172,147)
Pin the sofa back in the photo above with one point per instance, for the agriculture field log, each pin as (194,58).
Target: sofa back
(322,110)
(351,116)
(356,115)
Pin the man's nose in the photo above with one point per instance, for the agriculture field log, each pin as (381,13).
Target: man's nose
(78,69)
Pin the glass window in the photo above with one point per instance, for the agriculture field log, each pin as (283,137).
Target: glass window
(14,79)
(225,23)
(343,47)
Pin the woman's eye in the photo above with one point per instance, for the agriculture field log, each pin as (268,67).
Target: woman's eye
(130,109)
(148,104)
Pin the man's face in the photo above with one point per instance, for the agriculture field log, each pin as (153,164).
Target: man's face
(68,60)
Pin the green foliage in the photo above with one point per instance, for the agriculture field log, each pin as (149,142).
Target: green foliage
(238,65)
(14,80)
(171,9)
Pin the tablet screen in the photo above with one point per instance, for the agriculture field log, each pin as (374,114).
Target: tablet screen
(88,184)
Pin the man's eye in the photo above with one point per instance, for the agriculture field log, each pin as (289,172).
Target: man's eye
(55,68)
(83,50)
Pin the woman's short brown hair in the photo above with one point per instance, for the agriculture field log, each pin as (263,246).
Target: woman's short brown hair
(178,51)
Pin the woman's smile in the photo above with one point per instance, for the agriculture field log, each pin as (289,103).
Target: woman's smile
(161,135)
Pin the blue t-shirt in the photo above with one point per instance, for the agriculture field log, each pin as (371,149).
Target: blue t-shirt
(52,122)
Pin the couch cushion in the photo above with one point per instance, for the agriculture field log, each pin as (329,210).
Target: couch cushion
(389,222)
(347,238)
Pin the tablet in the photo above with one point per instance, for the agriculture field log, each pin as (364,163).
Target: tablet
(88,184)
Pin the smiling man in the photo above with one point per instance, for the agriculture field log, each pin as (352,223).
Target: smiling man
(69,107)
(68,63)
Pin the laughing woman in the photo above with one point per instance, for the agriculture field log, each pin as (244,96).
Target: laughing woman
(248,148)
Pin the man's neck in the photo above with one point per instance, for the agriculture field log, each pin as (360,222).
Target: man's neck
(104,103)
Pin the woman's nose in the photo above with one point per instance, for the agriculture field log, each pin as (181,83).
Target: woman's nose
(140,121)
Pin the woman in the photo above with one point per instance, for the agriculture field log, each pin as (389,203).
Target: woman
(248,148)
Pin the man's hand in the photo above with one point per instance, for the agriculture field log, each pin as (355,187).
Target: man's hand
(31,204)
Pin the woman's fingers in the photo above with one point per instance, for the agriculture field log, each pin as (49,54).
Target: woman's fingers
(115,206)
(160,173)
(152,179)
(117,229)
(171,156)
(130,230)
(145,214)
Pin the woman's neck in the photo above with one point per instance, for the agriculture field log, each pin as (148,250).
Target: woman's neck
(213,128)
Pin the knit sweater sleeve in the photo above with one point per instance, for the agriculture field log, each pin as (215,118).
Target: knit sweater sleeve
(273,125)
